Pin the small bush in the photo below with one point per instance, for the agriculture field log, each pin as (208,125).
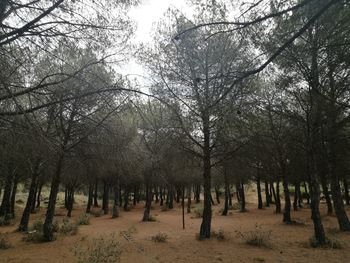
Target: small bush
(83,219)
(164,208)
(219,235)
(37,226)
(4,241)
(198,212)
(68,228)
(257,237)
(330,243)
(152,218)
(96,213)
(34,236)
(100,250)
(160,237)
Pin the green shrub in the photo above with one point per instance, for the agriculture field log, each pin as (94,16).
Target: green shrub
(96,213)
(4,241)
(160,237)
(34,236)
(100,250)
(37,225)
(257,237)
(198,212)
(68,227)
(83,219)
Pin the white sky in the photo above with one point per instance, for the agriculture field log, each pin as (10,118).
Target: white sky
(146,15)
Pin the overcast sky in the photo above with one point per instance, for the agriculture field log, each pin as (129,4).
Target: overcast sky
(146,15)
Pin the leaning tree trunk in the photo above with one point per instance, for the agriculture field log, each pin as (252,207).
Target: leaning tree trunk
(23,226)
(47,228)
(13,195)
(307,194)
(38,196)
(242,198)
(6,198)
(32,208)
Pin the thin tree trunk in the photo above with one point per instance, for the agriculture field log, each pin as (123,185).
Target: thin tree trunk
(287,202)
(70,202)
(242,197)
(346,191)
(96,194)
(189,200)
(105,199)
(326,194)
(115,210)
(217,194)
(6,198)
(278,199)
(227,192)
(90,198)
(267,194)
(171,197)
(38,196)
(23,226)
(13,195)
(48,232)
(258,186)
(146,214)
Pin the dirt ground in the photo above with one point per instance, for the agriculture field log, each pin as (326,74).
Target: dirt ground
(288,241)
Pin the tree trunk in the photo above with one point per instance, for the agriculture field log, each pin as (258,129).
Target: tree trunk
(171,197)
(287,202)
(258,189)
(217,194)
(229,195)
(227,192)
(96,194)
(90,198)
(161,197)
(189,200)
(70,202)
(13,195)
(205,228)
(115,210)
(23,226)
(183,207)
(48,233)
(296,196)
(105,199)
(6,198)
(346,191)
(126,199)
(198,194)
(267,194)
(326,194)
(307,194)
(38,196)
(278,199)
(146,214)
(242,198)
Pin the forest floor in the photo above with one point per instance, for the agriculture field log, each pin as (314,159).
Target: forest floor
(288,242)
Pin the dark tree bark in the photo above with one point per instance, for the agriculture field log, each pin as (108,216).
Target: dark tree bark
(90,198)
(278,199)
(156,193)
(273,192)
(346,191)
(325,191)
(96,194)
(183,207)
(149,195)
(287,202)
(197,195)
(66,198)
(126,199)
(189,199)
(307,194)
(258,189)
(105,199)
(23,226)
(296,196)
(70,202)
(32,207)
(6,198)
(48,233)
(171,197)
(217,194)
(38,196)
(136,192)
(242,198)
(13,195)
(227,193)
(267,194)
(161,197)
(115,210)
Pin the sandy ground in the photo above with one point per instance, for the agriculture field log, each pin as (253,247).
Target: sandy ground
(288,241)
